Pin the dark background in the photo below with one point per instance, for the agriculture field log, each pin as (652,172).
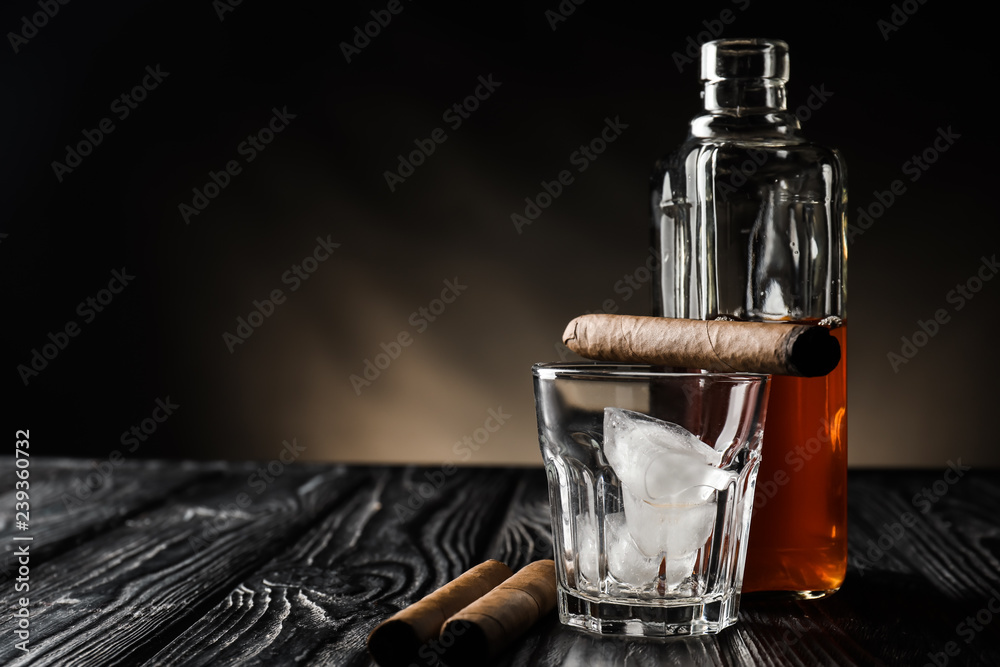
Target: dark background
(323,176)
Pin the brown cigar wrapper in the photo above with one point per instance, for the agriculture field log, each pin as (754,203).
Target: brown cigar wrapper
(748,347)
(396,640)
(493,621)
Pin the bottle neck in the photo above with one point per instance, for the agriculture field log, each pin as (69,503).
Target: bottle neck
(744,96)
(745,109)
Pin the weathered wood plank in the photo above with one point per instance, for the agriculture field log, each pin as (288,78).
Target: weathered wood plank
(122,596)
(920,568)
(369,558)
(72,501)
(525,534)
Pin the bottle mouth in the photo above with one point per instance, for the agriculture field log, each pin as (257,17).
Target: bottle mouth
(744,58)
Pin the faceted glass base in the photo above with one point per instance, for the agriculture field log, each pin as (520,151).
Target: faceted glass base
(671,618)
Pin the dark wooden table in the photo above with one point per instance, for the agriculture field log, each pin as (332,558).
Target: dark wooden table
(221,564)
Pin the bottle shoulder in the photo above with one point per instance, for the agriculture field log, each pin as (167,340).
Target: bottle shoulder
(775,129)
(748,165)
(713,148)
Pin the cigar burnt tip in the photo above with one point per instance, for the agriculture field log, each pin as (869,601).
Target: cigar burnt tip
(815,352)
(467,644)
(393,644)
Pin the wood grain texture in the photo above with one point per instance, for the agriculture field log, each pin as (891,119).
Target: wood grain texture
(118,596)
(72,500)
(327,552)
(367,559)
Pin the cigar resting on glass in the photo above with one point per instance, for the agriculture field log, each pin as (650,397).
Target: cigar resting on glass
(493,621)
(774,348)
(397,640)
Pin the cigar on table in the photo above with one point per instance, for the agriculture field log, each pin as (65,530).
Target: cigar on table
(397,640)
(715,345)
(486,626)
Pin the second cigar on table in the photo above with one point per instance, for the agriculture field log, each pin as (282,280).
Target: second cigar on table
(485,627)
(715,345)
(396,642)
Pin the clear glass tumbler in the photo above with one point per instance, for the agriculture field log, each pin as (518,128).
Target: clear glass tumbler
(651,476)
